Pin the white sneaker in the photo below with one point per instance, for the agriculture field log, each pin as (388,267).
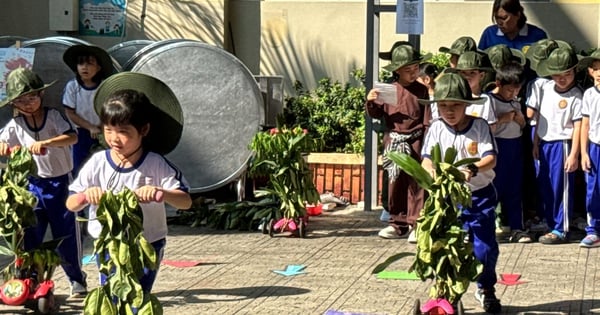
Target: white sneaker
(412,236)
(78,289)
(385,216)
(391,232)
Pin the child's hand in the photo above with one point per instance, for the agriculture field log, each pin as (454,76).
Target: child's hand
(586,164)
(4,149)
(467,174)
(147,194)
(93,195)
(373,95)
(571,164)
(94,132)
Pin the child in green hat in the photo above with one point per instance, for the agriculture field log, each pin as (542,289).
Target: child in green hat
(48,134)
(472,138)
(557,140)
(405,123)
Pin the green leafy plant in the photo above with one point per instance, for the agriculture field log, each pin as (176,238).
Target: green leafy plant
(244,215)
(333,111)
(279,155)
(122,252)
(442,253)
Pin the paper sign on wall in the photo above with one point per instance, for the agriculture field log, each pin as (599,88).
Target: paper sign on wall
(409,16)
(102,17)
(11,59)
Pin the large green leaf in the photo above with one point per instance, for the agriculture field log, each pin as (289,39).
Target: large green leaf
(412,168)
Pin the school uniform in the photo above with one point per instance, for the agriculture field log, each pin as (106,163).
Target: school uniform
(50,187)
(484,110)
(80,99)
(556,114)
(527,35)
(151,169)
(475,141)
(509,163)
(591,108)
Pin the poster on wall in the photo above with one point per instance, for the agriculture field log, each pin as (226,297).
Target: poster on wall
(409,16)
(102,17)
(11,59)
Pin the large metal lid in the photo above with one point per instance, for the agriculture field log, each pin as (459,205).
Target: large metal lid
(49,65)
(222,109)
(146,50)
(122,52)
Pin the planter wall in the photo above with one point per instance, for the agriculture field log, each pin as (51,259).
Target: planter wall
(342,174)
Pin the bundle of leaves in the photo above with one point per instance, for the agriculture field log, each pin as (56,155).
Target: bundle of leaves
(244,215)
(123,253)
(442,253)
(279,155)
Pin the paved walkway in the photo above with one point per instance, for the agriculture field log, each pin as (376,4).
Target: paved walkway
(340,251)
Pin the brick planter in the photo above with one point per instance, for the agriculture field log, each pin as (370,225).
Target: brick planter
(342,174)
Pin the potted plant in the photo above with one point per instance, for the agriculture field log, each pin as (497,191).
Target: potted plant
(279,156)
(442,253)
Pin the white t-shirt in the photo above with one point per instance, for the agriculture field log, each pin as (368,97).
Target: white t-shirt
(509,130)
(556,111)
(484,110)
(151,169)
(534,94)
(57,161)
(81,99)
(590,107)
(476,141)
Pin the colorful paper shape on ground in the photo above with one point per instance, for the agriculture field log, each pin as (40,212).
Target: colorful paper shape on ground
(88,259)
(181,263)
(335,312)
(509,279)
(398,275)
(291,270)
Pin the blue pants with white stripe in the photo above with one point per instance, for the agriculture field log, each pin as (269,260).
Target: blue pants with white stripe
(592,199)
(554,185)
(479,221)
(51,210)
(509,180)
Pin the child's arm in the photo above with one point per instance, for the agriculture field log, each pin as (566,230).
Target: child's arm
(175,197)
(428,166)
(572,161)
(80,121)
(584,139)
(58,141)
(76,202)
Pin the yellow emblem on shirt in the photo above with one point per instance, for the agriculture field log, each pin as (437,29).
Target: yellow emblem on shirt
(472,148)
(562,104)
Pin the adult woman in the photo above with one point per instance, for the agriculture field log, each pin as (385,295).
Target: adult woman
(511,28)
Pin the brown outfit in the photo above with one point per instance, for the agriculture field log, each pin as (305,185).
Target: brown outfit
(405,197)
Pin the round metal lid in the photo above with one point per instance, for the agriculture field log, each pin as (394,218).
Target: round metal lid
(122,52)
(222,109)
(146,50)
(49,65)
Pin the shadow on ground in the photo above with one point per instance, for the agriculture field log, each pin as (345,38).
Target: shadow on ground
(233,294)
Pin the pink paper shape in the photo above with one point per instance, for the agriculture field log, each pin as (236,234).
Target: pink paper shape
(441,303)
(180,263)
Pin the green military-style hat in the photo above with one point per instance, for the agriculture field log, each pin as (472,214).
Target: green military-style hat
(460,46)
(22,81)
(541,49)
(167,127)
(454,88)
(472,60)
(560,60)
(387,55)
(587,61)
(501,54)
(405,55)
(71,55)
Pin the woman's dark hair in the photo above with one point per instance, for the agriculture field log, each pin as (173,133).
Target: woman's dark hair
(511,6)
(86,58)
(428,69)
(127,107)
(510,73)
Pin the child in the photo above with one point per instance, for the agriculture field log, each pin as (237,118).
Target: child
(133,109)
(590,149)
(45,129)
(509,166)
(91,65)
(405,123)
(557,139)
(472,138)
(427,74)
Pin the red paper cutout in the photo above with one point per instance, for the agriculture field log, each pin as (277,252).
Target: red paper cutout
(509,279)
(181,263)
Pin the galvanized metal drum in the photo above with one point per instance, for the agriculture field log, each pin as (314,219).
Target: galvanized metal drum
(128,65)
(222,109)
(49,65)
(122,52)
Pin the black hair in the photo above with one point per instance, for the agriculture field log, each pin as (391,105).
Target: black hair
(127,107)
(83,58)
(428,69)
(511,6)
(511,73)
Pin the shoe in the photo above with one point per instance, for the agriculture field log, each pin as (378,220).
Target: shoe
(412,236)
(502,230)
(591,240)
(519,236)
(540,226)
(488,301)
(392,232)
(385,216)
(78,289)
(554,237)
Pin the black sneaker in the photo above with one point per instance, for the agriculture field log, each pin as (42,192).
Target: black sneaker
(488,301)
